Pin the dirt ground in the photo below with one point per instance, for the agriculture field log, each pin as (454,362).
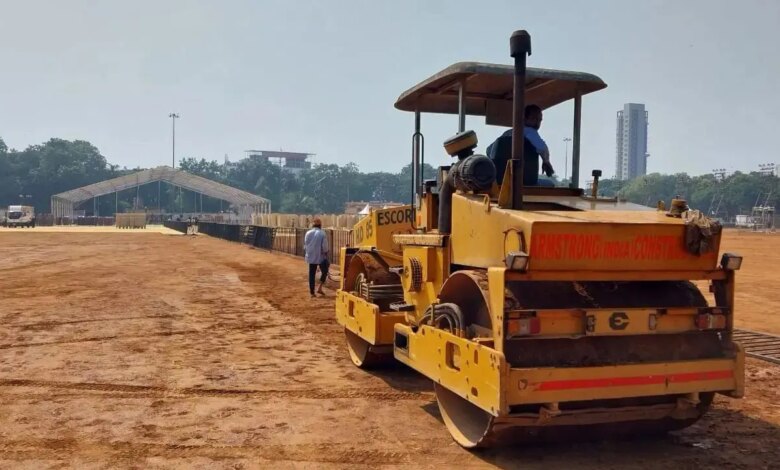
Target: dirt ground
(149,350)
(758,282)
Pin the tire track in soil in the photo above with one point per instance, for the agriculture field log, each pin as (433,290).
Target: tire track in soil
(66,449)
(210,331)
(151,391)
(245,326)
(50,324)
(47,263)
(321,324)
(101,338)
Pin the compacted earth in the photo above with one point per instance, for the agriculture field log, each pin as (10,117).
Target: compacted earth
(150,349)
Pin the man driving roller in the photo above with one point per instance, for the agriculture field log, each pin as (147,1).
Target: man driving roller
(500,151)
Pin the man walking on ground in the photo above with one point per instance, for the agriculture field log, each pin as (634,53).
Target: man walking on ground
(315,252)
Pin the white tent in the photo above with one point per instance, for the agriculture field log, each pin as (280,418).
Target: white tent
(63,204)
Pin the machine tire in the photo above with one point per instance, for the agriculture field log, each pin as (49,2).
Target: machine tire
(472,428)
(468,290)
(361,354)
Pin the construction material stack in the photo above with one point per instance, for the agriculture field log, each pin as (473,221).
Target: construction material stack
(131,220)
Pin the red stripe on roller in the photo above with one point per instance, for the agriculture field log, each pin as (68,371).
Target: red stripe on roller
(635,381)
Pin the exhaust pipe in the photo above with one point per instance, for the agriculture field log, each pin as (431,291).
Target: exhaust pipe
(594,190)
(519,48)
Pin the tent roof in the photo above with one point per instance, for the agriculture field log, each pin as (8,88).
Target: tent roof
(169,175)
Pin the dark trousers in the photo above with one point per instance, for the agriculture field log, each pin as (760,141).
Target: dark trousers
(313,272)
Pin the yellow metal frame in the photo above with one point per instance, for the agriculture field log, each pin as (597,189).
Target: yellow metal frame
(481,375)
(473,371)
(374,233)
(376,230)
(478,371)
(365,320)
(583,241)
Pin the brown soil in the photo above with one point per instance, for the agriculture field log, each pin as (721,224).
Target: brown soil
(758,286)
(151,350)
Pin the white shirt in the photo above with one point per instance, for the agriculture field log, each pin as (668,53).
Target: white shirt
(315,246)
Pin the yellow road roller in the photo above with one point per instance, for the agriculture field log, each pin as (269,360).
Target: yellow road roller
(537,311)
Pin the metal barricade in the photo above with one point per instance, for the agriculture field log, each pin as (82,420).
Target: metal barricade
(264,237)
(286,240)
(282,239)
(337,239)
(177,225)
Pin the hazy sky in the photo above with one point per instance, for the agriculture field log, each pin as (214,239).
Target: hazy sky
(322,76)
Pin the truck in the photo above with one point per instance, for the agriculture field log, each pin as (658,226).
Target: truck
(20,216)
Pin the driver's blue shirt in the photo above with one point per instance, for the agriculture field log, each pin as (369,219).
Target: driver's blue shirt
(500,152)
(536,140)
(532,135)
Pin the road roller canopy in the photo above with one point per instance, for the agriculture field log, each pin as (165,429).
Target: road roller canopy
(487,90)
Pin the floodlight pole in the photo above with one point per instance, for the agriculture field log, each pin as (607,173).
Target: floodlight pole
(173,117)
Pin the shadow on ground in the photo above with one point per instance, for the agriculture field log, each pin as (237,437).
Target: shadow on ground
(708,443)
(401,378)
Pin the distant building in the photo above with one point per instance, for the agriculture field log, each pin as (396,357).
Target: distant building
(289,161)
(631,160)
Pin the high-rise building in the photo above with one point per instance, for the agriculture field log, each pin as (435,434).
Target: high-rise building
(631,160)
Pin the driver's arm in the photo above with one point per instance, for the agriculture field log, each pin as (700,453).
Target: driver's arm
(536,140)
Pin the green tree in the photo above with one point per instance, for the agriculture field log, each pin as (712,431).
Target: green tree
(52,167)
(735,194)
(405,181)
(207,169)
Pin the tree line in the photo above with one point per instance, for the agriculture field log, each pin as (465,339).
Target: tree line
(31,176)
(322,189)
(721,197)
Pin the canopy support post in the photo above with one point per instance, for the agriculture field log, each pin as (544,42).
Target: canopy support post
(575,150)
(462,106)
